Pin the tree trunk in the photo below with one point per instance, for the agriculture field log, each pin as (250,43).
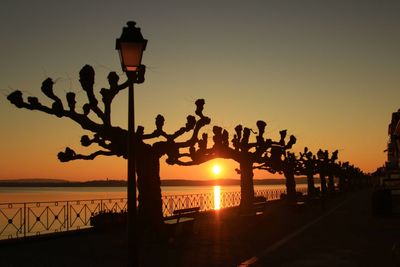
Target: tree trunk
(342,186)
(246,186)
(323,182)
(290,185)
(310,185)
(331,184)
(149,186)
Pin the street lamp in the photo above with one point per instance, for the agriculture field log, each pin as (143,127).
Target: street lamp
(130,46)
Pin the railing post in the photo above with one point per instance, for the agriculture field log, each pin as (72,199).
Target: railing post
(24,219)
(67,215)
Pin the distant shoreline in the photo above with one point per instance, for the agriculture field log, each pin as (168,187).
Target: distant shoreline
(123,183)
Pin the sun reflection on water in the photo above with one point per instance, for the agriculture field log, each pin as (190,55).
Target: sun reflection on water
(217,197)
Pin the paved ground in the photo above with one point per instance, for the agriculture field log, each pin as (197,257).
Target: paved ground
(348,236)
(339,232)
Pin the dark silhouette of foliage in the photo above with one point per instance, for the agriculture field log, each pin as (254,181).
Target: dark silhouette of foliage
(277,159)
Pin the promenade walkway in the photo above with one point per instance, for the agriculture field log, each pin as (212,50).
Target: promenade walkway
(339,232)
(347,236)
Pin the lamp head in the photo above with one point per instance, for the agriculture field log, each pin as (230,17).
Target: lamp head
(130,46)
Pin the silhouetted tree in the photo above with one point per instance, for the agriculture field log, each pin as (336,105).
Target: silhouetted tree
(241,150)
(112,140)
(326,167)
(342,172)
(257,153)
(276,158)
(290,170)
(323,158)
(308,166)
(148,162)
(332,169)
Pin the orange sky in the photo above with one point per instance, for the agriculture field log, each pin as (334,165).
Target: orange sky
(327,72)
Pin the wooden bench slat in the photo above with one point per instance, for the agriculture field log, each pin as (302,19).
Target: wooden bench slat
(188,210)
(183,215)
(178,220)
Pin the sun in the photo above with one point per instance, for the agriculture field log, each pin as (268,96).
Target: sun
(216,169)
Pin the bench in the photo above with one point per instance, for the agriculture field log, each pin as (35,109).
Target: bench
(182,220)
(259,207)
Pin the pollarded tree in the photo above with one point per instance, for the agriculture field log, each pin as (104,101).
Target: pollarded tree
(308,167)
(148,162)
(326,167)
(240,150)
(113,140)
(277,159)
(248,154)
(332,171)
(342,172)
(322,169)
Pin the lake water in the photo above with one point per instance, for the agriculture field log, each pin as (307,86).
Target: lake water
(33,194)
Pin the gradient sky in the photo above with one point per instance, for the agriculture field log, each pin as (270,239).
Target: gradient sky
(328,71)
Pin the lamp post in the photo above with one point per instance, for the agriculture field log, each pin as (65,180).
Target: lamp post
(130,46)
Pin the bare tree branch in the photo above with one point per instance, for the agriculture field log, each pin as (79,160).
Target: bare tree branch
(70,154)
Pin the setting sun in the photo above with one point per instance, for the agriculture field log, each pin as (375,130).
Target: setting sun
(216,169)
